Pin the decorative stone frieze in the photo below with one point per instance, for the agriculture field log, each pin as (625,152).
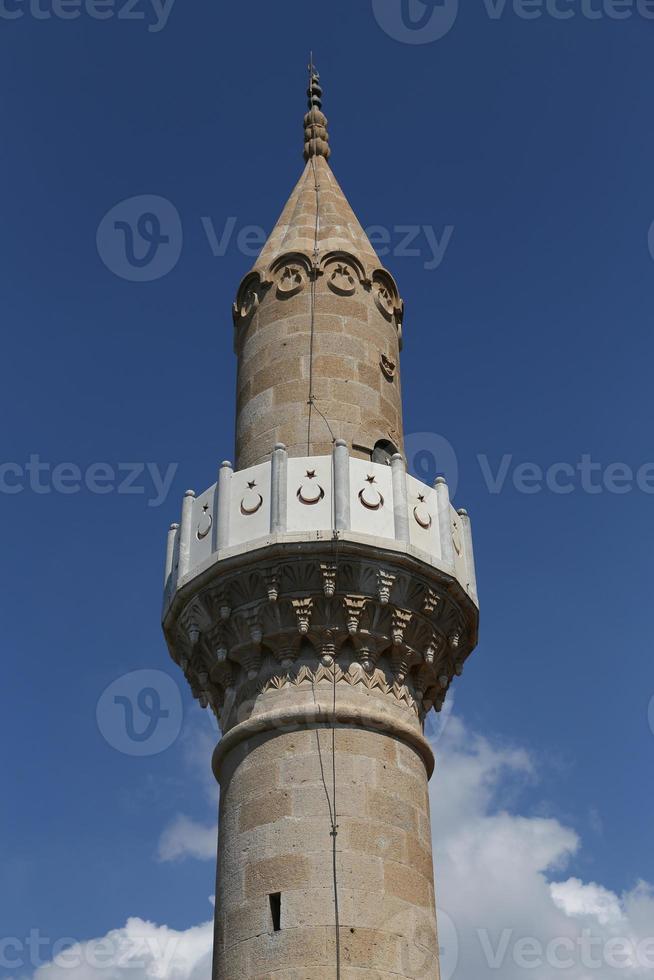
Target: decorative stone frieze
(303,620)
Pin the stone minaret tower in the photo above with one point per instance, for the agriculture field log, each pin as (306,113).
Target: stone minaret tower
(319,600)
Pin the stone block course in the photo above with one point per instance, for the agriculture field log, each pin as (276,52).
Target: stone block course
(287,949)
(377,839)
(276,874)
(349,335)
(264,810)
(407,884)
(391,809)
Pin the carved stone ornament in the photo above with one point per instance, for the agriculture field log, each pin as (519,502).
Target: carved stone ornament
(249,302)
(386,581)
(384,300)
(252,501)
(329,570)
(370,496)
(205,523)
(421,513)
(310,492)
(291,280)
(388,367)
(342,280)
(431,602)
(386,295)
(311,620)
(249,297)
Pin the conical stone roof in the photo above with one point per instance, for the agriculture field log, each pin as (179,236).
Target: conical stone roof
(318,218)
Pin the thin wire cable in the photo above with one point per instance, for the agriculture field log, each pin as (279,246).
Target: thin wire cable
(331,802)
(312,298)
(333,817)
(337,916)
(323,417)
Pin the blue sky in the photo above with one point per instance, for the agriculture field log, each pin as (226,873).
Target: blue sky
(524,147)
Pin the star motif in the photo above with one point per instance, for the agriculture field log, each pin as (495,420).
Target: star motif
(311,474)
(252,485)
(370,479)
(421,498)
(205,508)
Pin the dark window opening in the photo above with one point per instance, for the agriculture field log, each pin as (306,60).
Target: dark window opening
(276,910)
(383,452)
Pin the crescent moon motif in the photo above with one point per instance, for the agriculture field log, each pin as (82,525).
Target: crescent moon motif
(251,502)
(205,525)
(310,493)
(423,517)
(371,498)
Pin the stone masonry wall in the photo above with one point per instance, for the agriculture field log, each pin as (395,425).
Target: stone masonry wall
(274,838)
(355,364)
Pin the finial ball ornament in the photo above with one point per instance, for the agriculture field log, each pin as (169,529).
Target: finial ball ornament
(316,137)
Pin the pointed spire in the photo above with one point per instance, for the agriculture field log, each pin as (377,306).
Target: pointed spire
(317,215)
(316,137)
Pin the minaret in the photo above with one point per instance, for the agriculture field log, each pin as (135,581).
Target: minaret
(319,600)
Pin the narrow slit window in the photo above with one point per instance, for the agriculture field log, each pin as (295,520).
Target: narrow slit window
(276,910)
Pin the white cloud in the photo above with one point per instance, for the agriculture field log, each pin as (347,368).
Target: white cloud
(508,910)
(497,881)
(187,838)
(199,738)
(578,900)
(140,951)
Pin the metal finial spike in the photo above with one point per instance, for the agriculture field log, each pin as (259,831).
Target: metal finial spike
(316,137)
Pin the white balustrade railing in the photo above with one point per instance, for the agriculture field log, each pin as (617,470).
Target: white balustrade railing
(300,496)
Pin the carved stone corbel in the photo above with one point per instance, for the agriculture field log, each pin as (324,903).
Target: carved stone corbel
(400,622)
(303,609)
(369,654)
(271,577)
(328,579)
(431,602)
(328,649)
(354,606)
(385,582)
(434,649)
(285,652)
(400,660)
